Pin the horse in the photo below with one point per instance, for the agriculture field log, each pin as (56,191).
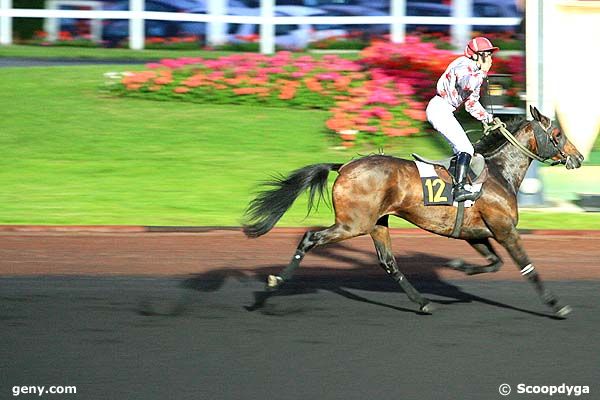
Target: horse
(369,189)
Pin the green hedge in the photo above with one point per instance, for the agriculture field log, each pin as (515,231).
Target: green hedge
(24,28)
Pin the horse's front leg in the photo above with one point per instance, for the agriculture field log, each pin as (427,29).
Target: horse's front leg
(511,240)
(483,247)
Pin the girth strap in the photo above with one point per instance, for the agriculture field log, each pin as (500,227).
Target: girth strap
(460,216)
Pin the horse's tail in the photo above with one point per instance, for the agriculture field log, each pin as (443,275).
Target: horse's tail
(269,206)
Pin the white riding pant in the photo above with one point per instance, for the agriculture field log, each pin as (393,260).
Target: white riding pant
(441,115)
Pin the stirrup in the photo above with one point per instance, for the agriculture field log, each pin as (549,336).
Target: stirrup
(462,194)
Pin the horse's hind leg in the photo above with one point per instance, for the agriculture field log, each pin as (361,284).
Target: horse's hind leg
(512,242)
(483,247)
(383,245)
(310,240)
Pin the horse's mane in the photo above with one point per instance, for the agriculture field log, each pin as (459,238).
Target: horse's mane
(494,140)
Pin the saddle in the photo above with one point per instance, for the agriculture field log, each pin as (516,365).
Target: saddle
(436,191)
(446,168)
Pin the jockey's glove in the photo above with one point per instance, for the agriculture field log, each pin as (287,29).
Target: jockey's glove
(497,121)
(493,125)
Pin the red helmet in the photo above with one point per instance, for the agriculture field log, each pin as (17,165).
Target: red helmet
(479,44)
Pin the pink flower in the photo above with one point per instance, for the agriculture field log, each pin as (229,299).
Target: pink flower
(404,89)
(329,76)
(379,112)
(382,96)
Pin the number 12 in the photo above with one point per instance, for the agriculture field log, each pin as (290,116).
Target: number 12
(441,185)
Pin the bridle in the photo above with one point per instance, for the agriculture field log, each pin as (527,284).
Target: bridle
(543,139)
(549,144)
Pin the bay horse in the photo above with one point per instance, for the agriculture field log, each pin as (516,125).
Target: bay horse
(369,189)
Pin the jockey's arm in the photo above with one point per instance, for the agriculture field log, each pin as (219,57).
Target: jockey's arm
(473,106)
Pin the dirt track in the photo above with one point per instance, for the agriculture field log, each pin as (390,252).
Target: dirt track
(559,257)
(341,330)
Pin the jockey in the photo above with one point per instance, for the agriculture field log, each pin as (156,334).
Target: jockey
(460,84)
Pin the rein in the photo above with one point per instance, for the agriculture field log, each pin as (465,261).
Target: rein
(497,124)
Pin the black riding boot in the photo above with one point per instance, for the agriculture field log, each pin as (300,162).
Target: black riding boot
(463,161)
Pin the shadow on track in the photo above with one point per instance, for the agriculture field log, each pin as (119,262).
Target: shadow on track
(421,269)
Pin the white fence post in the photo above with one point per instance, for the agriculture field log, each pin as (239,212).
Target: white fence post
(5,23)
(398,29)
(51,24)
(96,28)
(533,61)
(461,33)
(215,32)
(136,25)
(532,188)
(267,29)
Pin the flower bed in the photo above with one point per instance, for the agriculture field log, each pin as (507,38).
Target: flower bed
(375,109)
(64,39)
(380,96)
(419,64)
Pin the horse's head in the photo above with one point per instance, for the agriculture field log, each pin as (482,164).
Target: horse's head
(552,144)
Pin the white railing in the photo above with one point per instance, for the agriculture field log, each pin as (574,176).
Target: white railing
(460,21)
(52,25)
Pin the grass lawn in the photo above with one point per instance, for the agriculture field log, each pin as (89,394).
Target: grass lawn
(68,52)
(101,53)
(71,155)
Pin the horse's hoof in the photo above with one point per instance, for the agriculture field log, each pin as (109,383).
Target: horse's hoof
(273,282)
(456,264)
(427,308)
(563,312)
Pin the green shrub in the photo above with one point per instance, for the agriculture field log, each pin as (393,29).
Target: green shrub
(25,28)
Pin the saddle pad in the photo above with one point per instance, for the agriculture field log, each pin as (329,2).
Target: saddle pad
(477,170)
(437,192)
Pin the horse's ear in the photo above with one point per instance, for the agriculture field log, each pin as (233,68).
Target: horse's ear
(535,113)
(538,116)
